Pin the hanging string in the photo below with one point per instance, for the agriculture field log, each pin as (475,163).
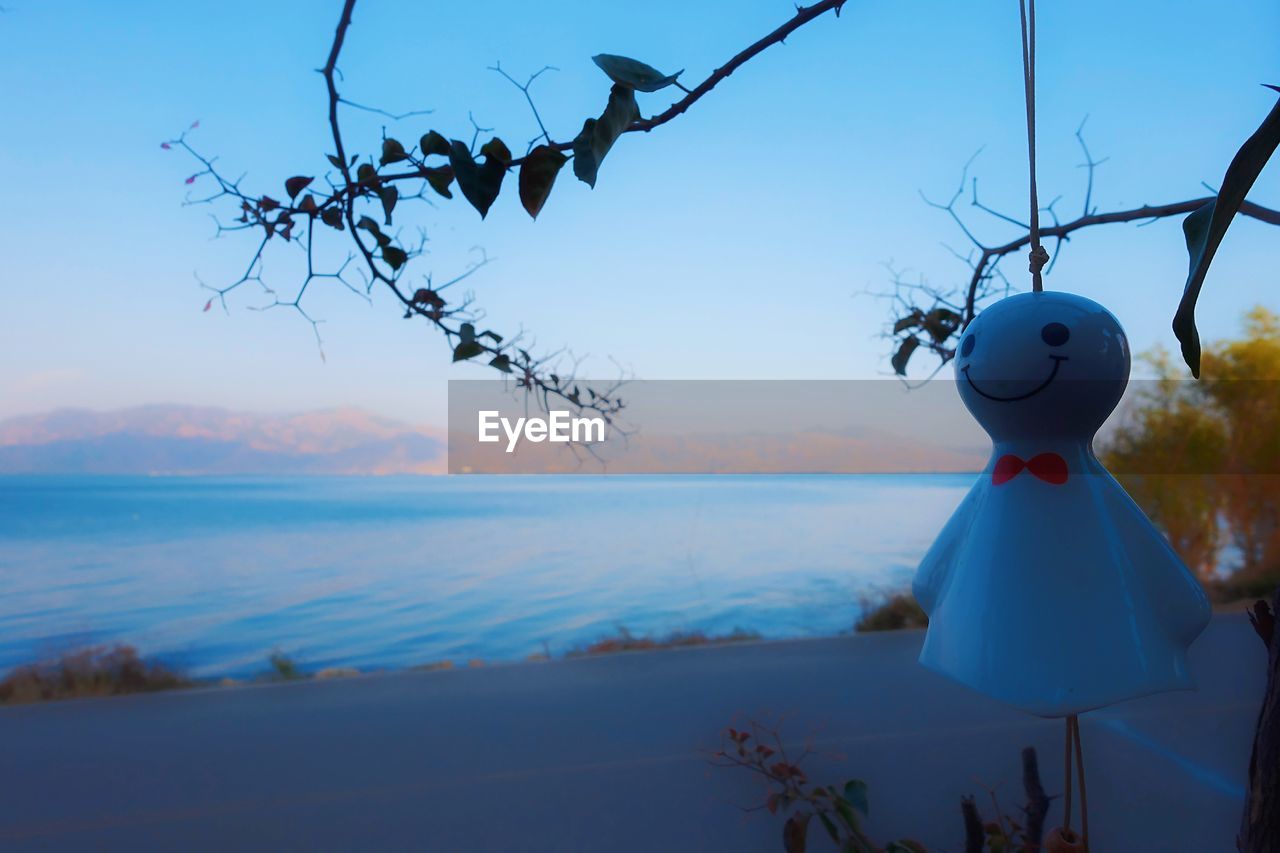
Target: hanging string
(1066,784)
(1084,797)
(1039,257)
(1037,260)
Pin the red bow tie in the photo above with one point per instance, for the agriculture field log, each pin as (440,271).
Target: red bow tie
(1049,467)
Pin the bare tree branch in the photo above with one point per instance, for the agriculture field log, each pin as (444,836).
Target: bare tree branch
(383,257)
(928,318)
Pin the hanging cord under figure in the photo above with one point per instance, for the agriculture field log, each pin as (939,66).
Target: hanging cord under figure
(1084,796)
(1074,749)
(1039,257)
(1066,782)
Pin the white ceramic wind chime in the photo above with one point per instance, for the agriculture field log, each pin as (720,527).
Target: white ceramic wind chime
(1049,588)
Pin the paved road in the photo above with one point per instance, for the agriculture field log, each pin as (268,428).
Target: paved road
(607,754)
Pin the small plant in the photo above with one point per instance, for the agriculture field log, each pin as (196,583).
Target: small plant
(840,810)
(891,613)
(284,668)
(97,671)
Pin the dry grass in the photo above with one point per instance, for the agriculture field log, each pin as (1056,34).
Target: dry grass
(625,641)
(98,671)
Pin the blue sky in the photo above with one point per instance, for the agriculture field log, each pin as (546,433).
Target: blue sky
(734,242)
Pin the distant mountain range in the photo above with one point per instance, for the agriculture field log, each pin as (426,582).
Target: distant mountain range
(192,440)
(171,439)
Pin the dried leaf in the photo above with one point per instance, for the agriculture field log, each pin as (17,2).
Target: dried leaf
(538,175)
(392,152)
(903,355)
(1205,228)
(633,73)
(426,296)
(433,143)
(794,832)
(907,322)
(466,350)
(332,217)
(394,256)
(439,178)
(480,182)
(940,323)
(296,184)
(389,197)
(598,135)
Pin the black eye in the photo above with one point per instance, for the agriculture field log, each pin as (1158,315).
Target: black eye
(1055,334)
(966,346)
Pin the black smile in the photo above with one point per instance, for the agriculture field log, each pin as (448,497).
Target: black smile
(1057,362)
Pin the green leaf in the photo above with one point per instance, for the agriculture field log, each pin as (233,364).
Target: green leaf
(467,332)
(337,164)
(634,74)
(466,350)
(903,355)
(296,184)
(480,182)
(537,177)
(855,791)
(598,135)
(847,814)
(394,256)
(905,845)
(502,362)
(830,827)
(392,151)
(1205,228)
(439,178)
(389,196)
(433,143)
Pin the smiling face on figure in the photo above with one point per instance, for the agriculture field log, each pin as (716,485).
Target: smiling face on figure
(1042,365)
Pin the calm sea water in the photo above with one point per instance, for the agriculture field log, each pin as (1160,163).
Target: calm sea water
(213,574)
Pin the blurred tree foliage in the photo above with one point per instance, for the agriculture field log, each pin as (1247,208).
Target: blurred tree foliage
(1203,458)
